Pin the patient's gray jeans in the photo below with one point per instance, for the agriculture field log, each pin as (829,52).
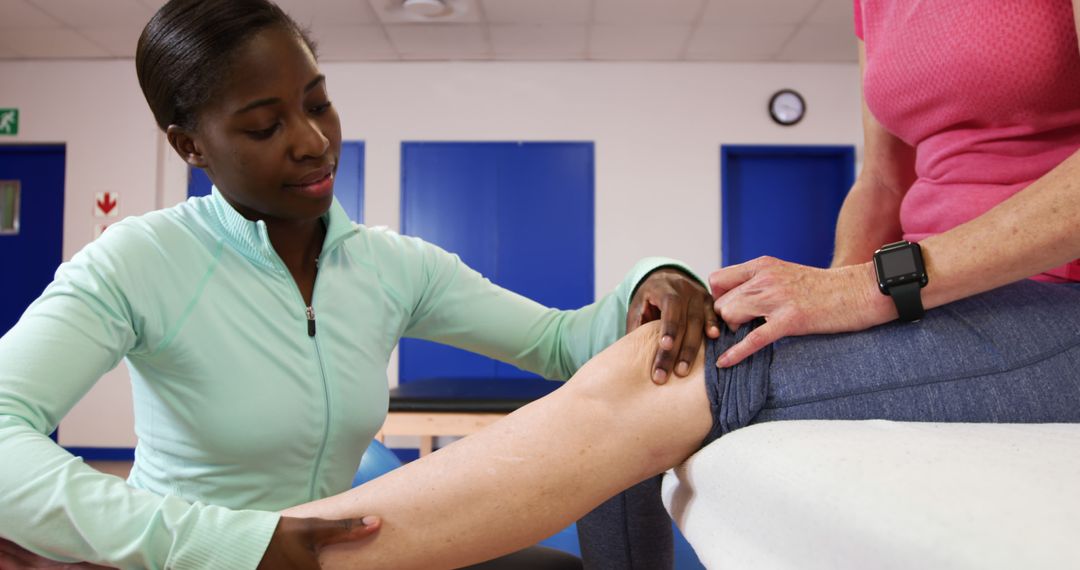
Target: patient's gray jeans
(1009,355)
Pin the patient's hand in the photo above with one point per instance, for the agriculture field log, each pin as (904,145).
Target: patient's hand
(684,308)
(15,557)
(297,541)
(795,300)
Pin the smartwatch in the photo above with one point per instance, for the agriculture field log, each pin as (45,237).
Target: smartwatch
(901,275)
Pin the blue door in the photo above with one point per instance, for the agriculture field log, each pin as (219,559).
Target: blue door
(31,224)
(348,181)
(783,201)
(519,213)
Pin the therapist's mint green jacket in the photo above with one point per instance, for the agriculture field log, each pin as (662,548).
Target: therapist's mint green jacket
(236,405)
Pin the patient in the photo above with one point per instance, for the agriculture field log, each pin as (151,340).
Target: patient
(971,148)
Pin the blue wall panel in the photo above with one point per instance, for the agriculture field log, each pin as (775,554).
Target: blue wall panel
(448,198)
(546,227)
(519,213)
(348,181)
(783,201)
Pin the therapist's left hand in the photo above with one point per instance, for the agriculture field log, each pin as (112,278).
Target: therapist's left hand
(685,311)
(794,300)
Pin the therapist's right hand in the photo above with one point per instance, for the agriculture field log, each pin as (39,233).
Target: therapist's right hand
(296,542)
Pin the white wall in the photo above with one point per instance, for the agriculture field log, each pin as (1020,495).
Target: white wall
(657,130)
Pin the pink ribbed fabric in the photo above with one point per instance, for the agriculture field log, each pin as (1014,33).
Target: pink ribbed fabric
(988,93)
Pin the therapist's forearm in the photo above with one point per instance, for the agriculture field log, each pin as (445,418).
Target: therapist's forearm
(1035,230)
(869,218)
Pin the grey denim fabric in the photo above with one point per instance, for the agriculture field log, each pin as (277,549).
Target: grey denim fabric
(1011,355)
(632,530)
(738,393)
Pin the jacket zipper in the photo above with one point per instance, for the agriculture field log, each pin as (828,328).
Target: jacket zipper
(310,314)
(310,310)
(328,417)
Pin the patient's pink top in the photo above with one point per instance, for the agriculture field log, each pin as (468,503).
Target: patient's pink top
(988,93)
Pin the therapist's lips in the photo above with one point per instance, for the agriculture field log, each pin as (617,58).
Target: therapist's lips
(317,184)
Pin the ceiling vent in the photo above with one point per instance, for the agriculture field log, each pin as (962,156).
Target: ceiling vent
(426,8)
(427,11)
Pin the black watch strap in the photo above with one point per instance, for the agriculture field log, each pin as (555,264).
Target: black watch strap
(908,299)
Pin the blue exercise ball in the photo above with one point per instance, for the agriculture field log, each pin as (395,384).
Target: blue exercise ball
(377,461)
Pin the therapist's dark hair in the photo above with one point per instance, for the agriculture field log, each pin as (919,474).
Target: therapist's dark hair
(186,49)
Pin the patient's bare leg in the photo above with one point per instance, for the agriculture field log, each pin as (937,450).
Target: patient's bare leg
(533,472)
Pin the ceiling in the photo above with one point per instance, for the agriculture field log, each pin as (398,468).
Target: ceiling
(510,30)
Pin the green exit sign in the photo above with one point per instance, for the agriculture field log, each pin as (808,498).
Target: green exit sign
(9,121)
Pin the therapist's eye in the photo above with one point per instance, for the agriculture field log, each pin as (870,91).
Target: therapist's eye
(320,108)
(263,134)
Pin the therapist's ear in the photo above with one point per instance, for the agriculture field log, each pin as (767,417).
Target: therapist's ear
(184,145)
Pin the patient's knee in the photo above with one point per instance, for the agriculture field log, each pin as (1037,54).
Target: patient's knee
(666,422)
(626,366)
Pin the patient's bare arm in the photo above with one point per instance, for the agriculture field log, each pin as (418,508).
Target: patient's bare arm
(532,473)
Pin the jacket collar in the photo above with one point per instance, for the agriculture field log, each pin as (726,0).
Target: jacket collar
(252,240)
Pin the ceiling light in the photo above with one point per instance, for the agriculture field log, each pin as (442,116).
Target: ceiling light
(426,8)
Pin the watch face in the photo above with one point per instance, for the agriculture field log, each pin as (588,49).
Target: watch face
(897,263)
(787,107)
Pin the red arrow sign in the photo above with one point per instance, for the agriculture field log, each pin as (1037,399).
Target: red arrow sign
(106,203)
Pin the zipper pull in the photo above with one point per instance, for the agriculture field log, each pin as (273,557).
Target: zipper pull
(310,321)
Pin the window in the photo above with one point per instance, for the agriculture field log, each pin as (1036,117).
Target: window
(9,207)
